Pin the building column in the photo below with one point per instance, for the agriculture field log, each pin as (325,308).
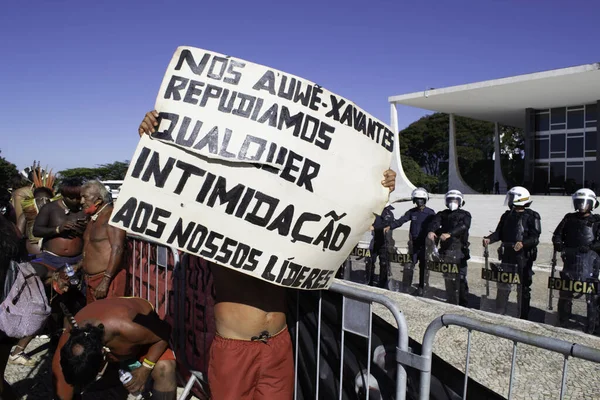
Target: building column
(498,176)
(455,180)
(596,176)
(404,187)
(529,148)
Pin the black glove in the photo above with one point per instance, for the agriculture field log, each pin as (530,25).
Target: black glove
(558,247)
(584,249)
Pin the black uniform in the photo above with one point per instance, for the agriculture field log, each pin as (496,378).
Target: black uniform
(380,246)
(456,247)
(525,227)
(419,222)
(577,237)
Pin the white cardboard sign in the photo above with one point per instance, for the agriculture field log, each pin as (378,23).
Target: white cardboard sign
(256,170)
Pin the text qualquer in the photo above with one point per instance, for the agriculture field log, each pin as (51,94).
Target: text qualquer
(256,170)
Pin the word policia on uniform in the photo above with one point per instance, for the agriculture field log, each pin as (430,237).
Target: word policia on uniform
(247,170)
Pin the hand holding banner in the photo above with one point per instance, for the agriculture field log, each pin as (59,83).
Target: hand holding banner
(256,170)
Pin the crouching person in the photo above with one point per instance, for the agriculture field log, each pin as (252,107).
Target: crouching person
(120,330)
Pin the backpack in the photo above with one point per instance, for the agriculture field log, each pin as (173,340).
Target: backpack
(25,307)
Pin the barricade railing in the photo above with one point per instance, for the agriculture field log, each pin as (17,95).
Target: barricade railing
(567,349)
(158,274)
(150,272)
(356,318)
(162,276)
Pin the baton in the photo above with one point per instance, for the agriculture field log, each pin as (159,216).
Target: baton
(550,291)
(486,256)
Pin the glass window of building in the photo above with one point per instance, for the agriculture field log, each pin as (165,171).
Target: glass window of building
(591,112)
(542,122)
(557,142)
(557,173)
(542,147)
(575,173)
(590,167)
(575,119)
(558,115)
(574,147)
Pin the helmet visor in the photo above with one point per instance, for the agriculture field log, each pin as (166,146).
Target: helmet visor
(583,205)
(419,202)
(509,200)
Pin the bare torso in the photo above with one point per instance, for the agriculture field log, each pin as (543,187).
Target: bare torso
(97,249)
(112,312)
(68,244)
(246,306)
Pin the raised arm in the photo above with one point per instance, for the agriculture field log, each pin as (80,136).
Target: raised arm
(149,332)
(397,223)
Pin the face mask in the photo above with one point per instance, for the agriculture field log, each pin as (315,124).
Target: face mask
(420,202)
(91,210)
(453,206)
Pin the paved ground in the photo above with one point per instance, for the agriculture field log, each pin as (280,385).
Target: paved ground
(537,372)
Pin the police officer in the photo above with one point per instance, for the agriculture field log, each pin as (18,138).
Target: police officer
(419,216)
(451,226)
(380,246)
(577,237)
(519,230)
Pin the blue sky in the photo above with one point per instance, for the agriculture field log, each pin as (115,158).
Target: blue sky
(76,77)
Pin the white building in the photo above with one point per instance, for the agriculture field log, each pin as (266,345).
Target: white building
(558,111)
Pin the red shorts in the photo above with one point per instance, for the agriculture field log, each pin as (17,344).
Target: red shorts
(117,287)
(241,369)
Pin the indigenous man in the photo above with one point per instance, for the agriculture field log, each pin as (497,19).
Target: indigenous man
(251,356)
(103,245)
(117,330)
(60,223)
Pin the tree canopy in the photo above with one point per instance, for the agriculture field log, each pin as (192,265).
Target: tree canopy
(9,174)
(424,148)
(103,172)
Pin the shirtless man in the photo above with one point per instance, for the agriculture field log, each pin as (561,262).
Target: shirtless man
(60,224)
(103,245)
(251,355)
(116,330)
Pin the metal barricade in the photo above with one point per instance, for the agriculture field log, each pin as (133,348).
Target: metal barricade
(356,319)
(150,275)
(163,277)
(567,349)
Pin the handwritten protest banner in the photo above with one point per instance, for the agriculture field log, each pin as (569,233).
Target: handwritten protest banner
(256,170)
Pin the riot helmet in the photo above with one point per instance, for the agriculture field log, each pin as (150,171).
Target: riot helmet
(454,200)
(419,196)
(584,201)
(518,196)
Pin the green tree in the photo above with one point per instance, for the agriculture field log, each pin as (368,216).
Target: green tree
(9,174)
(426,142)
(104,172)
(417,176)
